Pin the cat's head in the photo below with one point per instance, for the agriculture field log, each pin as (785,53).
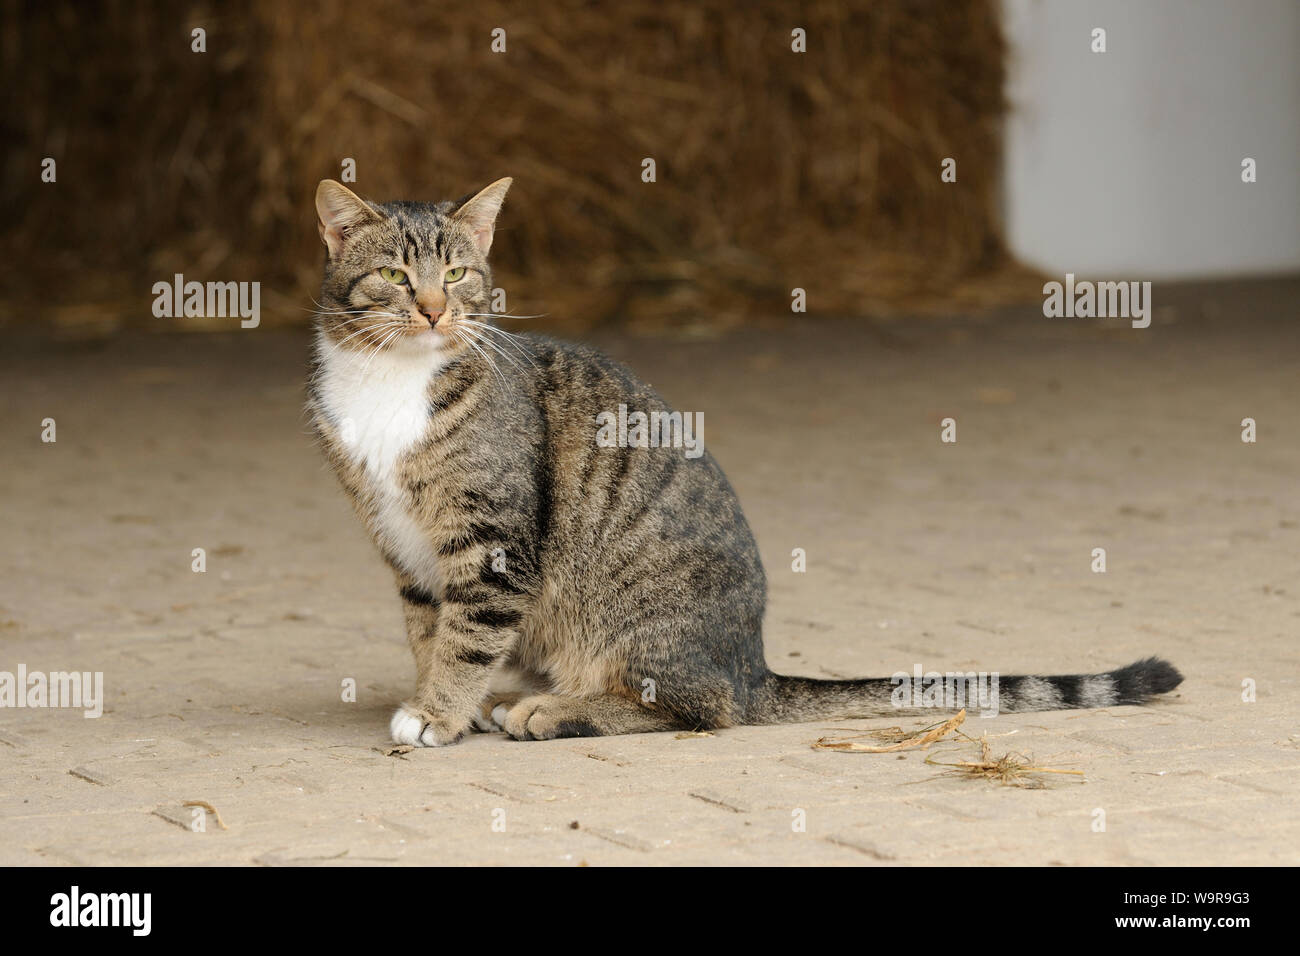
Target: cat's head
(405,275)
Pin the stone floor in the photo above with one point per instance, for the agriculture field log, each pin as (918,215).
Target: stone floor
(225,686)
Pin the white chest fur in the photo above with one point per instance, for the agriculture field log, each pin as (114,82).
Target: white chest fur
(380,407)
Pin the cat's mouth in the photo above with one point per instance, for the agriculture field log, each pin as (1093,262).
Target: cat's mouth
(427,335)
(408,334)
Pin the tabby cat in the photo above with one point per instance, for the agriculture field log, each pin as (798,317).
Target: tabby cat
(551,587)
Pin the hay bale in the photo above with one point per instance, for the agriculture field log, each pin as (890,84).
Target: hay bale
(775,169)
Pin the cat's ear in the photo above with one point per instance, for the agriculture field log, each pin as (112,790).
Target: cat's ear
(339,211)
(480,212)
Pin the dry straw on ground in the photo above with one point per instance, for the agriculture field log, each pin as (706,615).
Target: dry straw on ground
(775,169)
(1011,769)
(898,738)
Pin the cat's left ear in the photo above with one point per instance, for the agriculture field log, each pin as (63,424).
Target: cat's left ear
(339,211)
(480,212)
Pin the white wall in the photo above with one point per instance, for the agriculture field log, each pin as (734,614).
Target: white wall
(1128,162)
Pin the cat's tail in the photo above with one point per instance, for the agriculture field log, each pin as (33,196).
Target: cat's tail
(792,699)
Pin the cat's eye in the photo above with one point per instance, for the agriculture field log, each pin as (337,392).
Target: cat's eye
(454,275)
(393,275)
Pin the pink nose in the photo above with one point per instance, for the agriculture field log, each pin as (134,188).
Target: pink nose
(428,314)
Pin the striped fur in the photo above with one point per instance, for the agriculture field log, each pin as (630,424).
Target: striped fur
(550,586)
(802,698)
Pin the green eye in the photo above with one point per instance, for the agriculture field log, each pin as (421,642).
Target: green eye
(454,275)
(393,275)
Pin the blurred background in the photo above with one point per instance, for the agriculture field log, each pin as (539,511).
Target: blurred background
(774,168)
(1129,163)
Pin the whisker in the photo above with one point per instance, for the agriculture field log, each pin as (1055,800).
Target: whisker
(321,307)
(371,315)
(359,312)
(472,342)
(377,332)
(324,311)
(382,326)
(469,342)
(513,338)
(500,351)
(510,337)
(360,318)
(378,348)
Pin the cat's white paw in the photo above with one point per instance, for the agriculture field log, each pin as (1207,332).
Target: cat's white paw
(487,725)
(499,716)
(411,729)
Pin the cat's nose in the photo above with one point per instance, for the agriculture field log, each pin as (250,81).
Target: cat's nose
(432,303)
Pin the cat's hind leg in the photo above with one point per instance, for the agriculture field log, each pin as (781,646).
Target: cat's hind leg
(547,716)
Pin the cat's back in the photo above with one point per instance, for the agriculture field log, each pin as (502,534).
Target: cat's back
(631,473)
(642,538)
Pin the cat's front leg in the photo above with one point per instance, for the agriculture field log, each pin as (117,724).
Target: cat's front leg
(456,642)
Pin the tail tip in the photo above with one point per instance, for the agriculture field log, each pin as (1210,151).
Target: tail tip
(1144,679)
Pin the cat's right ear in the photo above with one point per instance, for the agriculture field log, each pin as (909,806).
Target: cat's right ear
(339,211)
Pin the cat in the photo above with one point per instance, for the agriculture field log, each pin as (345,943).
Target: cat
(551,587)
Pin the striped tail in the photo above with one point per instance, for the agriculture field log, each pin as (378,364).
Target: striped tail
(793,699)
